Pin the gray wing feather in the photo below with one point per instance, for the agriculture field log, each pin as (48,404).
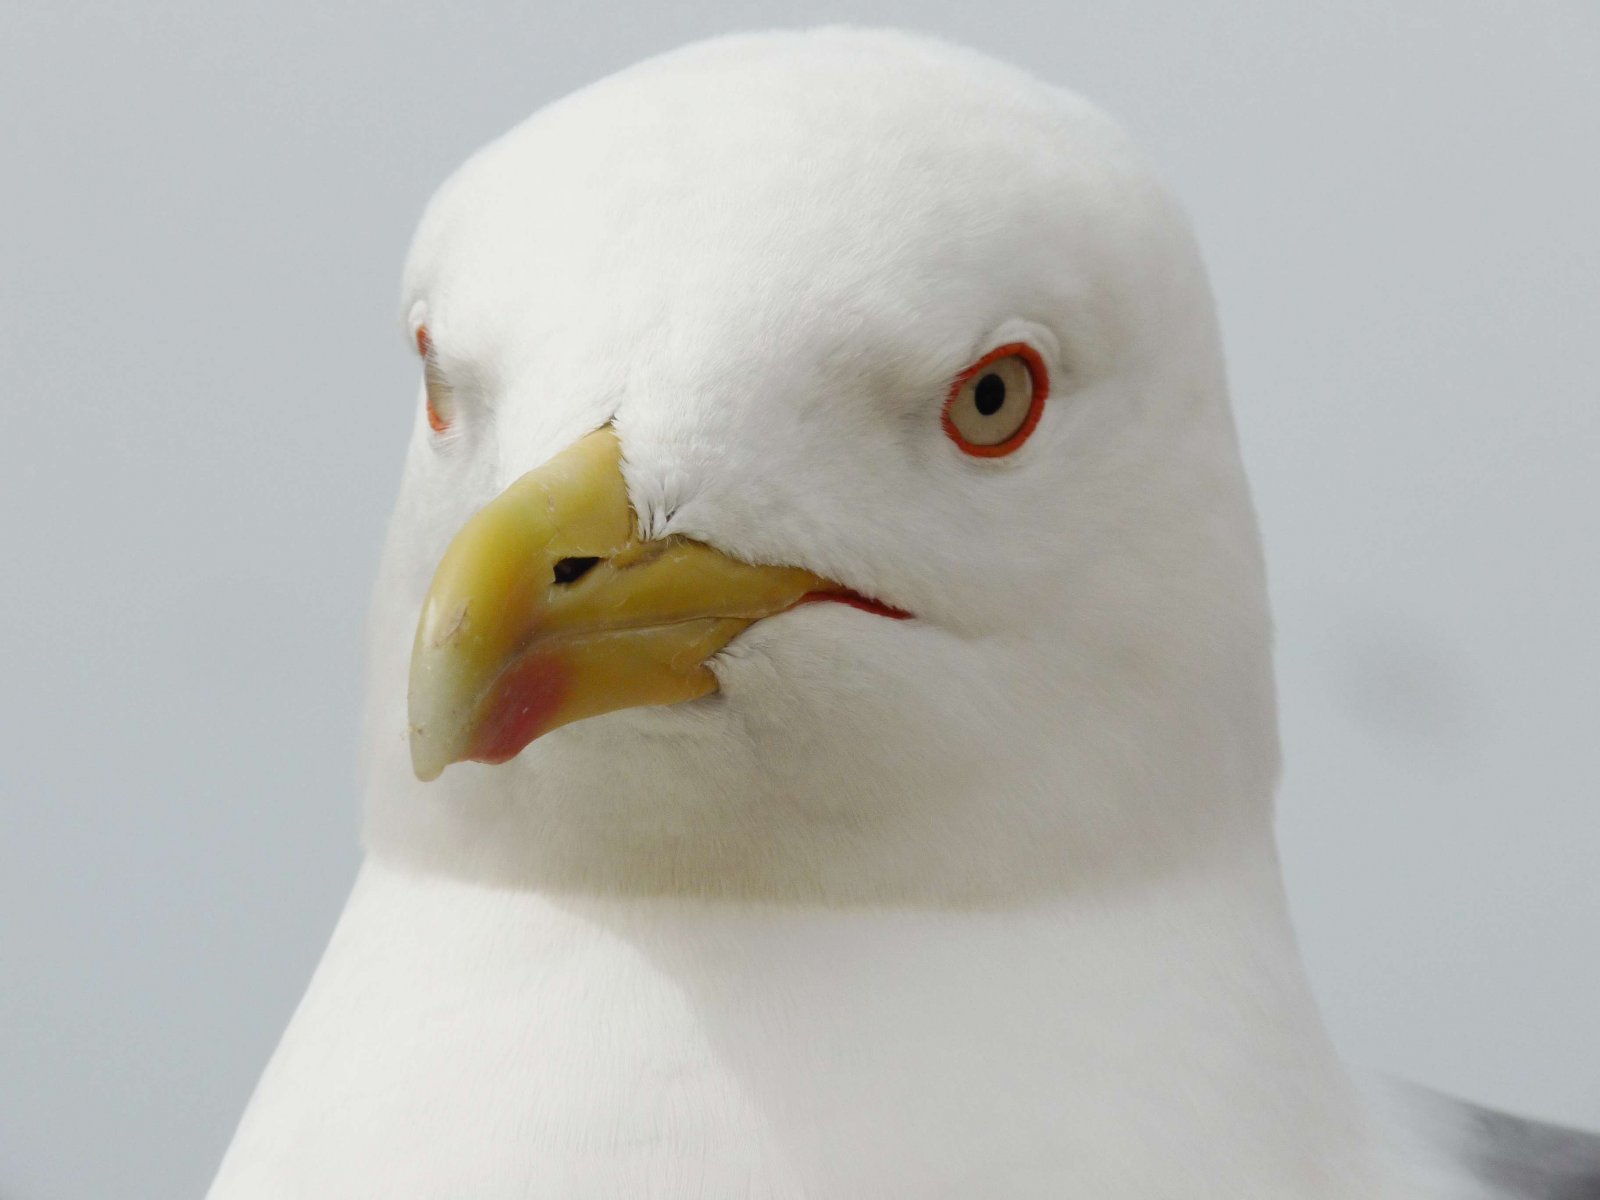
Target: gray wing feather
(1505,1157)
(1530,1160)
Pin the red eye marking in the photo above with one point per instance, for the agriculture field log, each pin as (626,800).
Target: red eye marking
(1038,378)
(437,421)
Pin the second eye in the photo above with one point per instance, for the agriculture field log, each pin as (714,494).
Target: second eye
(438,402)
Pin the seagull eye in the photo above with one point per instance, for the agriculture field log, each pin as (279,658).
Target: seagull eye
(439,406)
(995,403)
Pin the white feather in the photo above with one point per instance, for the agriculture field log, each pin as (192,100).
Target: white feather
(979,904)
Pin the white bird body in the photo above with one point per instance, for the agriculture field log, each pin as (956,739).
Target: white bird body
(464,1041)
(979,903)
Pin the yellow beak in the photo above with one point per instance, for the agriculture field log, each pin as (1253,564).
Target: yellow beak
(547,609)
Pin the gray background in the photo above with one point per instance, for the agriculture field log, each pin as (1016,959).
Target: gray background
(203,211)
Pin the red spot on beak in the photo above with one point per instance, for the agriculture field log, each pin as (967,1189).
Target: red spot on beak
(519,707)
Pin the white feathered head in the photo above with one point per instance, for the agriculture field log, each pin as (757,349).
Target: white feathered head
(835,315)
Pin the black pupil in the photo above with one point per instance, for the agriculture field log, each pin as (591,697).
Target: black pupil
(989,395)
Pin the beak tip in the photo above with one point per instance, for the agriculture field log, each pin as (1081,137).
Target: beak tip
(427,760)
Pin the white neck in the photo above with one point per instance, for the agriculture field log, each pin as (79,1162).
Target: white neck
(465,1040)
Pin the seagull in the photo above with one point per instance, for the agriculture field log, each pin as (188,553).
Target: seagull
(820,735)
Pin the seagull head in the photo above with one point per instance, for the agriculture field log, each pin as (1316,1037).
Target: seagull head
(823,485)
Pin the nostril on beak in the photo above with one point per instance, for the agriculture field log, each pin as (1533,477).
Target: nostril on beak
(570,570)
